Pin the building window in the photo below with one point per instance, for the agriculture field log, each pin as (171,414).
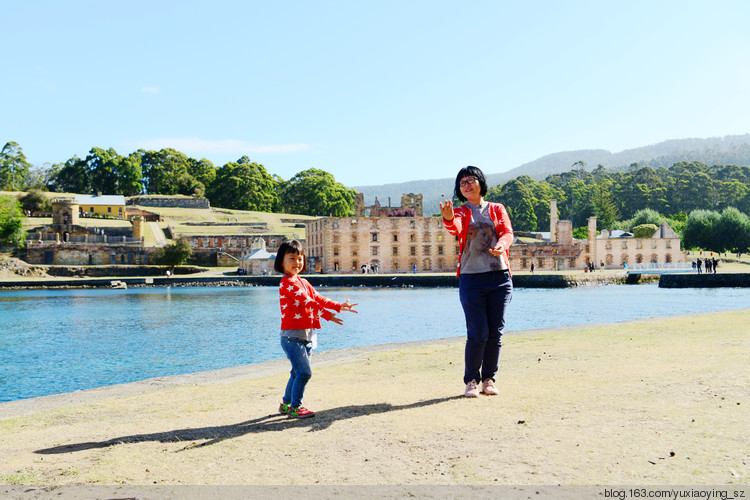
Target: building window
(374,250)
(395,237)
(335,237)
(608,245)
(668,244)
(426,249)
(354,251)
(374,236)
(335,224)
(109,210)
(625,245)
(426,237)
(412,224)
(335,251)
(395,265)
(412,238)
(412,250)
(440,249)
(395,250)
(354,237)
(335,265)
(440,237)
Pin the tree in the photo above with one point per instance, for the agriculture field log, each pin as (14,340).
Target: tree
(646,216)
(36,201)
(11,224)
(102,168)
(166,172)
(175,254)
(129,175)
(604,204)
(71,177)
(316,192)
(699,229)
(244,186)
(519,202)
(202,171)
(14,168)
(732,231)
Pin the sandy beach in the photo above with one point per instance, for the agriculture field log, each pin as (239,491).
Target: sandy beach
(662,401)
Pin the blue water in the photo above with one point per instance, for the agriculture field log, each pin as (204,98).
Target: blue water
(56,341)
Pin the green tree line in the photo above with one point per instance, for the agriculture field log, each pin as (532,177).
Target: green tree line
(240,185)
(684,194)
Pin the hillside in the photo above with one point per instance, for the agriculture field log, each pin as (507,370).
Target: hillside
(716,150)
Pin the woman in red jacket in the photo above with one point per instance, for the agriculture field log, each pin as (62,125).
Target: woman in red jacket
(485,286)
(301,310)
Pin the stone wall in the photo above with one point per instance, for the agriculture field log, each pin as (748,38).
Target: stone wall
(170,201)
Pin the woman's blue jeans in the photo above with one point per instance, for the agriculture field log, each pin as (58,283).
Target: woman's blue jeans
(484,297)
(298,351)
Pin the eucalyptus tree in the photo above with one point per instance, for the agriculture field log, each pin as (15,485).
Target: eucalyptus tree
(316,192)
(244,185)
(14,167)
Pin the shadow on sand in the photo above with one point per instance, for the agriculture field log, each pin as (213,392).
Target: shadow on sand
(269,423)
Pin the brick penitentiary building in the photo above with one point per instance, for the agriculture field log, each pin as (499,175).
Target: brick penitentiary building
(384,238)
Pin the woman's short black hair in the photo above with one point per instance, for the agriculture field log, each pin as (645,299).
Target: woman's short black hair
(291,246)
(469,172)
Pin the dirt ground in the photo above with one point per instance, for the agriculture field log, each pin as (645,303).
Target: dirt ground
(663,401)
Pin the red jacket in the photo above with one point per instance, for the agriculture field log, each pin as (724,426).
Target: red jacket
(301,306)
(460,225)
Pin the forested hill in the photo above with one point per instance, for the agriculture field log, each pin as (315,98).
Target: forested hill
(729,150)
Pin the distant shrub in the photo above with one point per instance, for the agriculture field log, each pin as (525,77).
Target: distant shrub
(644,230)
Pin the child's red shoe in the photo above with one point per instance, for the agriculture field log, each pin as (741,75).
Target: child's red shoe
(300,412)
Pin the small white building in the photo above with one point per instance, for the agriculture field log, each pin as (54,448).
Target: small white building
(256,259)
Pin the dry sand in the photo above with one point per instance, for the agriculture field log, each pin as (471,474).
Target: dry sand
(663,401)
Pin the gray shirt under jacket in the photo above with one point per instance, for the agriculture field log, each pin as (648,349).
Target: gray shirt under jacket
(306,334)
(480,237)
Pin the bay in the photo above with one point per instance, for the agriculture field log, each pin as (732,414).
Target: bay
(55,341)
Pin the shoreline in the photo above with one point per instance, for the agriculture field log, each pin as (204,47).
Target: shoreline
(22,407)
(520,280)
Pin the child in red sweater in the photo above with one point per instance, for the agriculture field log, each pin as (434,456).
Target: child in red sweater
(301,310)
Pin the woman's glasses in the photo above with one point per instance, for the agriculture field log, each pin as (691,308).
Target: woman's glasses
(467,181)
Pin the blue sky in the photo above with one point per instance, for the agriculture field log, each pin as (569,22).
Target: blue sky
(373,92)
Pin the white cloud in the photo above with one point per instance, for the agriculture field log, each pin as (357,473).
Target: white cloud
(150,90)
(193,145)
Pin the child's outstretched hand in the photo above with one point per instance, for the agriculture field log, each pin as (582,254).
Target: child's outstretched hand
(336,320)
(346,306)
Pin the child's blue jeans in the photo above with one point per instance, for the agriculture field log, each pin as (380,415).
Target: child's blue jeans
(298,351)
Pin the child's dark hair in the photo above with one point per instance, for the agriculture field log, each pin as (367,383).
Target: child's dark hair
(291,246)
(469,172)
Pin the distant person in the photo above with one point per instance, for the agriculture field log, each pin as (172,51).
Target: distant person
(708,265)
(301,310)
(485,288)
(532,268)
(694,266)
(714,264)
(699,263)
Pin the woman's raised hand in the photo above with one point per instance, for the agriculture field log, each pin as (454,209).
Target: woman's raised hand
(446,208)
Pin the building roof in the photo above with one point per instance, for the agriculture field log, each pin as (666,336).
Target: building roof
(106,200)
(259,254)
(615,233)
(665,231)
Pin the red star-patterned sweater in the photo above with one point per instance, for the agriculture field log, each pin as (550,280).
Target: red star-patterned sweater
(301,306)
